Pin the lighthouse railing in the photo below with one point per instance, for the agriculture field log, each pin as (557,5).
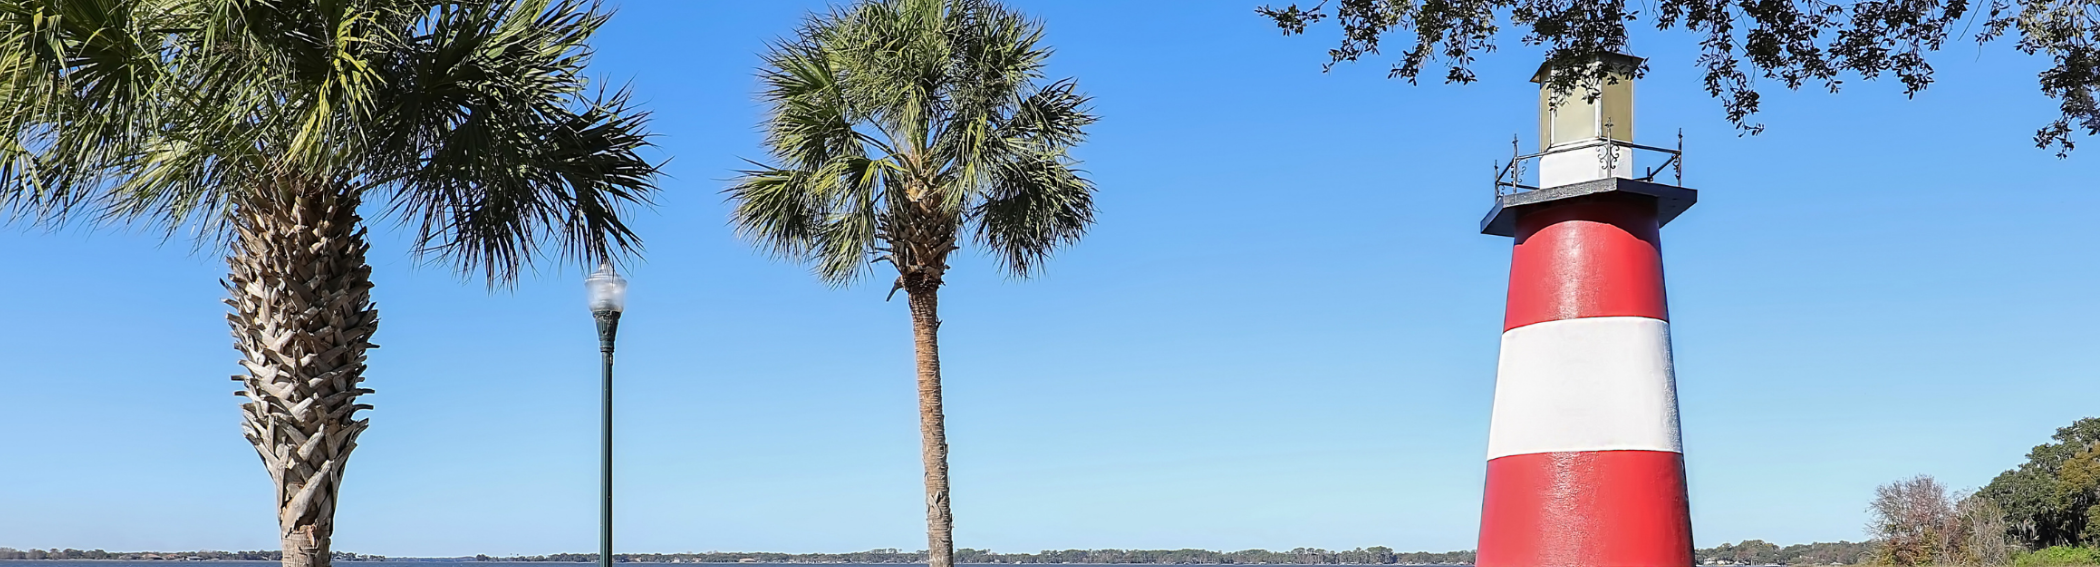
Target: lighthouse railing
(1511,176)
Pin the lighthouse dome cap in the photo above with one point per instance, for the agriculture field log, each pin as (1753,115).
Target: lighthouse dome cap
(1618,62)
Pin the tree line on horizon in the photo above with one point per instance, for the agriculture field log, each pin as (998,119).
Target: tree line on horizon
(1760,552)
(1751,552)
(1298,556)
(54,554)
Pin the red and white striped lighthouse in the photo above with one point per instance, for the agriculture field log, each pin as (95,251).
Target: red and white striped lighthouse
(1585,466)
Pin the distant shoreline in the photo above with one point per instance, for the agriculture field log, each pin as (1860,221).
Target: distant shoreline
(762,563)
(1375,555)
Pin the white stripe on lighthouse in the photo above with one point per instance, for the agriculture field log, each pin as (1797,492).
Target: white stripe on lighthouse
(1585,384)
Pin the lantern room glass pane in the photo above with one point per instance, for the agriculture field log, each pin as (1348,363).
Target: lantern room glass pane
(1618,107)
(1574,118)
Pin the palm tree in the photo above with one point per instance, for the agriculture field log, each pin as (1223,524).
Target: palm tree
(266,126)
(897,126)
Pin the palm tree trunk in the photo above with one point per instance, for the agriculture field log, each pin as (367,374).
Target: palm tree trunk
(933,433)
(302,316)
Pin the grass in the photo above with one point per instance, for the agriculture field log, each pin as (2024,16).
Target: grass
(2059,556)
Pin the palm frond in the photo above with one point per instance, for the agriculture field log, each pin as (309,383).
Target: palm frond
(488,147)
(812,122)
(472,118)
(74,75)
(1051,118)
(492,191)
(1037,205)
(826,215)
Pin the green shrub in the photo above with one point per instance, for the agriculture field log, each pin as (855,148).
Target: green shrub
(2059,556)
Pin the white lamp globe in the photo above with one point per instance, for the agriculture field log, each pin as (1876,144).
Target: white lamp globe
(608,291)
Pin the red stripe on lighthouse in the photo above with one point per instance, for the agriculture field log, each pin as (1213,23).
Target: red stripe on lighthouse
(1598,258)
(1585,509)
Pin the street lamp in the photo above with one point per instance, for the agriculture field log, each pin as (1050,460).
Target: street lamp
(608,292)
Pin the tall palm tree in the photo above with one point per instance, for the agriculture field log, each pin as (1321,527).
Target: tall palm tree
(269,126)
(896,127)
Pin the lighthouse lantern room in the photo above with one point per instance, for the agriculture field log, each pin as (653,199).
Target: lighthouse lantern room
(1577,127)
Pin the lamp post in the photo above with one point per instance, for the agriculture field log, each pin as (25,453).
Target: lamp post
(608,293)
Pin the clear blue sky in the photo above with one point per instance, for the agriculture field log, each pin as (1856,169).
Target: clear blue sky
(1282,333)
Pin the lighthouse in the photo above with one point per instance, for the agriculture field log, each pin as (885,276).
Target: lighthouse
(1585,467)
